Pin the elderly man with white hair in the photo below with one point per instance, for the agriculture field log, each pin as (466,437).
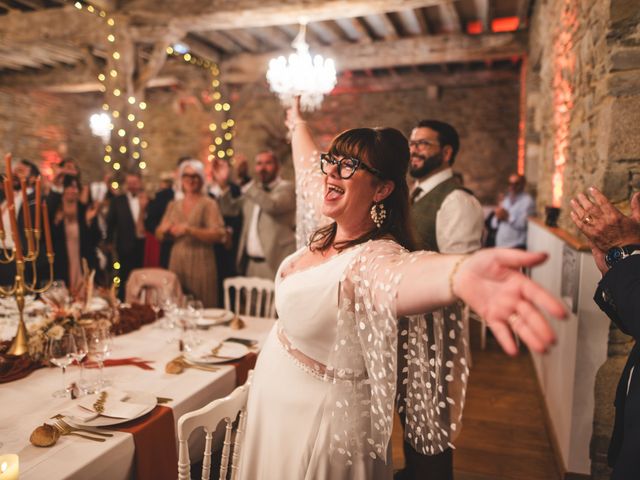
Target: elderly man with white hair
(194,223)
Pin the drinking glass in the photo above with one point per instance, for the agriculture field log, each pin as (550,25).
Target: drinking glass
(82,349)
(154,298)
(99,350)
(61,352)
(190,317)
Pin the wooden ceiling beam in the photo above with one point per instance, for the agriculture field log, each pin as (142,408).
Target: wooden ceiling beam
(201,48)
(244,39)
(225,15)
(438,49)
(449,18)
(390,29)
(220,41)
(484,10)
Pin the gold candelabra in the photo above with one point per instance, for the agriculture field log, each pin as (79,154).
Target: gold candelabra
(8,255)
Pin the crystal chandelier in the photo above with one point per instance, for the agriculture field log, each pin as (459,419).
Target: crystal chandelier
(301,75)
(101,126)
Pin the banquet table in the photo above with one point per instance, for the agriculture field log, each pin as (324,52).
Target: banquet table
(28,403)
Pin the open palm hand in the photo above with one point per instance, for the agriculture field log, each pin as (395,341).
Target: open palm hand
(491,283)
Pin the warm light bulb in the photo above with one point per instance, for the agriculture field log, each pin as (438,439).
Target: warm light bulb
(105,106)
(111,22)
(116,55)
(140,125)
(213,127)
(144,144)
(228,136)
(108,148)
(135,140)
(226,107)
(230,151)
(230,123)
(101,77)
(116,166)
(135,155)
(78,5)
(212,148)
(221,154)
(131,117)
(115,186)
(218,140)
(131,100)
(142,165)
(169,51)
(187,57)
(90,8)
(210,157)
(107,158)
(142,105)
(121,132)
(111,37)
(116,92)
(215,83)
(123,149)
(218,107)
(116,265)
(113,73)
(116,114)
(217,96)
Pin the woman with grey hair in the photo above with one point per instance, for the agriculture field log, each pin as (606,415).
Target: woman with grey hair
(194,223)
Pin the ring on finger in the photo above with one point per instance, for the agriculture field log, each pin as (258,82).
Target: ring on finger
(588,219)
(514,320)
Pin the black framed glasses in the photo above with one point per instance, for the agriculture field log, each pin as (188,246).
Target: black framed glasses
(346,166)
(422,144)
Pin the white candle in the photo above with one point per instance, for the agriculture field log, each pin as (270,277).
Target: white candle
(9,467)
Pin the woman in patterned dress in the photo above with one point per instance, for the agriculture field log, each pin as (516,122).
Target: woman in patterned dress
(194,223)
(322,397)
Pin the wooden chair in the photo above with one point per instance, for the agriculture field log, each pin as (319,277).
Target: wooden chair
(208,417)
(251,296)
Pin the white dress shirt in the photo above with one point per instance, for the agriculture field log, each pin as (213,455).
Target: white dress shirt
(254,246)
(459,220)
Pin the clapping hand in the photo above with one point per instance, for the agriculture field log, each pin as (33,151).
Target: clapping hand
(604,225)
(178,229)
(491,283)
(220,171)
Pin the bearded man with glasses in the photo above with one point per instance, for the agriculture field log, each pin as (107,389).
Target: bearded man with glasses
(447,219)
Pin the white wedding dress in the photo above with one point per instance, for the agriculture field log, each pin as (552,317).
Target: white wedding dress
(287,434)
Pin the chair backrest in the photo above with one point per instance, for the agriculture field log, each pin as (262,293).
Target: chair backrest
(250,296)
(141,280)
(208,417)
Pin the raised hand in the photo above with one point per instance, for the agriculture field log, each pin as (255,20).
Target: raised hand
(220,172)
(294,114)
(491,283)
(602,223)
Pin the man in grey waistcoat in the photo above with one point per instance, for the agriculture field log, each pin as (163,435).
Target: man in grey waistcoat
(447,219)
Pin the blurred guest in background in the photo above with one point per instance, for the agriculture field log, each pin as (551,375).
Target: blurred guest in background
(268,211)
(195,224)
(155,212)
(74,233)
(510,218)
(125,227)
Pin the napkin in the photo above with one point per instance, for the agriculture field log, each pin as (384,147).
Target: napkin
(115,405)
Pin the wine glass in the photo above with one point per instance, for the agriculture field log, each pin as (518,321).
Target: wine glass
(191,315)
(82,349)
(61,353)
(99,350)
(154,298)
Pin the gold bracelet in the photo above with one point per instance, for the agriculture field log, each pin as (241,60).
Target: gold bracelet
(452,275)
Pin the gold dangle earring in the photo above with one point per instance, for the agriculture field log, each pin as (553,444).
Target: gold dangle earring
(378,213)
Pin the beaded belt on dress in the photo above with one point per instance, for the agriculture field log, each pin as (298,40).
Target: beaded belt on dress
(313,367)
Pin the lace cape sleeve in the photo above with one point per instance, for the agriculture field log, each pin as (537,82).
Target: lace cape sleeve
(363,365)
(309,197)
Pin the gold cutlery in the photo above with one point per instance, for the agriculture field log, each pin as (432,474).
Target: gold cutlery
(66,430)
(60,419)
(180,364)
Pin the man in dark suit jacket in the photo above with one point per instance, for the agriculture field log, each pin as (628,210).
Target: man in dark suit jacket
(125,227)
(155,212)
(615,240)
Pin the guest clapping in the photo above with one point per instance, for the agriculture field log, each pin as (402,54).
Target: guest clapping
(195,223)
(74,233)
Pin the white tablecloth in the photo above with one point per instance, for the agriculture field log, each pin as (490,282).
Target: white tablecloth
(27,403)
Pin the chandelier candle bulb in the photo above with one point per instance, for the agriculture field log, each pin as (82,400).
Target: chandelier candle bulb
(26,213)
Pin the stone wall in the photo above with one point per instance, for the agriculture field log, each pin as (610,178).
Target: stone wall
(583,90)
(486,118)
(583,107)
(43,125)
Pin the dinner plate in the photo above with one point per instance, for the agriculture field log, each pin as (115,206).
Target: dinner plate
(228,351)
(214,316)
(143,398)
